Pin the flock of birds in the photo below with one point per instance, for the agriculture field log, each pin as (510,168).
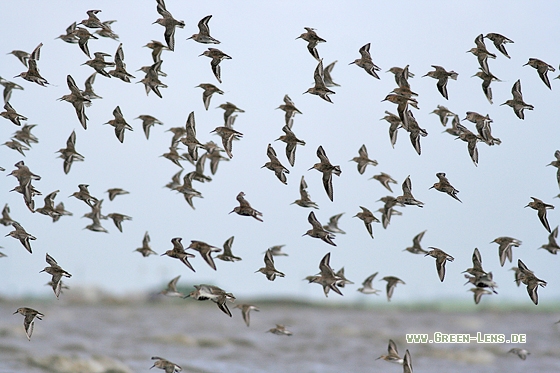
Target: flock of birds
(81,33)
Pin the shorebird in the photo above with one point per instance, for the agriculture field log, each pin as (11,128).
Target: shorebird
(505,246)
(312,39)
(189,139)
(118,219)
(274,165)
(365,62)
(6,220)
(245,209)
(146,250)
(22,56)
(166,365)
(368,218)
(480,278)
(407,362)
(179,252)
(119,123)
(32,74)
(169,23)
(471,139)
(209,90)
(276,250)
(171,290)
(92,21)
(157,47)
(542,68)
(444,114)
(290,110)
(317,230)
(482,53)
(499,42)
(291,143)
(442,77)
(556,163)
(517,103)
(229,109)
(61,212)
(305,199)
(21,234)
(441,258)
(527,277)
(8,88)
(213,293)
(482,124)
(445,186)
(88,84)
(217,56)
(392,354)
(227,255)
(327,169)
(414,130)
(228,135)
(205,251)
(326,277)
(487,79)
(269,270)
(478,293)
(363,160)
(541,208)
(367,287)
(520,352)
(407,198)
(343,280)
(392,282)
(385,179)
(147,122)
(83,36)
(203,35)
(245,311)
(280,330)
(99,64)
(151,80)
(416,247)
(78,99)
(16,145)
(187,190)
(120,67)
(552,246)
(48,208)
(113,192)
(12,115)
(327,75)
(320,89)
(106,31)
(332,225)
(29,319)
(25,136)
(57,272)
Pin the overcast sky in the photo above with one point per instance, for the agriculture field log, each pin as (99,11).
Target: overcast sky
(267,63)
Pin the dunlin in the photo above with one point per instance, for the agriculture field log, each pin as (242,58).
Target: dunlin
(213,293)
(169,23)
(246,310)
(441,258)
(269,270)
(203,35)
(245,209)
(179,252)
(57,272)
(541,208)
(304,199)
(367,287)
(317,230)
(227,255)
(29,319)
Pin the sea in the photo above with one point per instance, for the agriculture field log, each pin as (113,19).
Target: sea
(113,335)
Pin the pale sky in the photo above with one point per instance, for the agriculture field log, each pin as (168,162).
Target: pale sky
(267,63)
